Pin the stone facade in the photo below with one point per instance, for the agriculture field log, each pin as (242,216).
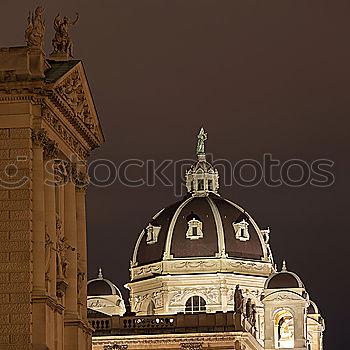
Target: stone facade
(48,126)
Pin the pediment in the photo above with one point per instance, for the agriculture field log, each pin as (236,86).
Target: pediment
(72,90)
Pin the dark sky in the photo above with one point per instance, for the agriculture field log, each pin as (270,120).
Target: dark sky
(260,76)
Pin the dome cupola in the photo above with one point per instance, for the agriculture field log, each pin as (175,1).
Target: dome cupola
(197,250)
(104,296)
(202,178)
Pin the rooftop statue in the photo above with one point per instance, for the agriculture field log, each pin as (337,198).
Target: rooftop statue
(34,33)
(202,136)
(62,43)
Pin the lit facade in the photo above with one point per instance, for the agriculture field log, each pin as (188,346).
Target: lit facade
(202,274)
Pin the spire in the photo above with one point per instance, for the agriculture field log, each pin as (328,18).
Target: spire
(100,274)
(284,266)
(202,178)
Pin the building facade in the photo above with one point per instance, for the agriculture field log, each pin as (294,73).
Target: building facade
(48,126)
(202,275)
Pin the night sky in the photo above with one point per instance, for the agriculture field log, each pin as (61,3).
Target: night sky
(260,76)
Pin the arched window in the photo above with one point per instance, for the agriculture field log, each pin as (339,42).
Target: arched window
(195,304)
(151,308)
(284,330)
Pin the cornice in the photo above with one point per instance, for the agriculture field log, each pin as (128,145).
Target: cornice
(171,339)
(64,108)
(201,266)
(63,131)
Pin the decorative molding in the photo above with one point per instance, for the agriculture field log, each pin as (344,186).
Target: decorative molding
(114,347)
(210,294)
(76,122)
(174,339)
(150,269)
(39,137)
(195,264)
(191,346)
(282,297)
(67,136)
(246,265)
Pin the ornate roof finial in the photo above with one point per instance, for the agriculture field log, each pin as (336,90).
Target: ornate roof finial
(284,266)
(202,178)
(62,43)
(202,137)
(34,33)
(100,274)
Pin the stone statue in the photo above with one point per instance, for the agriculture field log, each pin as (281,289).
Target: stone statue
(61,249)
(248,309)
(48,248)
(238,300)
(202,136)
(34,33)
(62,43)
(253,319)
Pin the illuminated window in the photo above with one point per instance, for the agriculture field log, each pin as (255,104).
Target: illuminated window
(284,330)
(241,230)
(195,304)
(194,230)
(200,185)
(152,233)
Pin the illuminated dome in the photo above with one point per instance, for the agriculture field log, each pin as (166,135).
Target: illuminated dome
(202,224)
(284,279)
(103,296)
(102,286)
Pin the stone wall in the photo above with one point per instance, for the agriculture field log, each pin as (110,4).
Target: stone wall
(15,239)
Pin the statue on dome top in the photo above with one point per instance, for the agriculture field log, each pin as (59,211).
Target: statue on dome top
(202,137)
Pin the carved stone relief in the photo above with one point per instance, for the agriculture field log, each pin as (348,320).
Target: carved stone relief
(72,91)
(211,295)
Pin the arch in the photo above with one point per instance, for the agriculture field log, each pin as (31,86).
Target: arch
(151,308)
(195,304)
(284,329)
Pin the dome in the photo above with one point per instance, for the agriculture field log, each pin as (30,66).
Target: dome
(202,224)
(220,223)
(284,279)
(312,308)
(101,286)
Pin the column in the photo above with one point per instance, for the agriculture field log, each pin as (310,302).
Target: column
(38,227)
(38,220)
(50,224)
(82,251)
(70,231)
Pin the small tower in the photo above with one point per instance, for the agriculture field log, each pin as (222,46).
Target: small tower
(104,296)
(285,312)
(202,178)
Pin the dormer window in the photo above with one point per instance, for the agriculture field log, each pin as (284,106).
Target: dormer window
(152,233)
(241,230)
(194,230)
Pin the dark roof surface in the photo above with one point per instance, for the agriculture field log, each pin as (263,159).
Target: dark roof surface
(283,280)
(58,69)
(99,287)
(182,247)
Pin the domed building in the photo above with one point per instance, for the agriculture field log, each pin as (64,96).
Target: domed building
(104,296)
(203,266)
